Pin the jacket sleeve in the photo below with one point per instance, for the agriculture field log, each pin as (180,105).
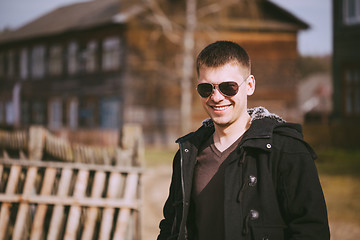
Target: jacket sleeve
(302,200)
(169,211)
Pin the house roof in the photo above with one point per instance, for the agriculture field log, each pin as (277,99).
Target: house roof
(258,15)
(68,18)
(94,13)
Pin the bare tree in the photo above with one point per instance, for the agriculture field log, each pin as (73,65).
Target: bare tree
(188,65)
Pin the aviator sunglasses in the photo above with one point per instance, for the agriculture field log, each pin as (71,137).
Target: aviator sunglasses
(228,89)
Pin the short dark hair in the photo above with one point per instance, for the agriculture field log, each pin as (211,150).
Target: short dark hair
(219,53)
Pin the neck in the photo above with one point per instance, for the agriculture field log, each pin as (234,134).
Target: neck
(225,136)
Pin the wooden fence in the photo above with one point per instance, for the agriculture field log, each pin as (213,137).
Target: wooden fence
(91,193)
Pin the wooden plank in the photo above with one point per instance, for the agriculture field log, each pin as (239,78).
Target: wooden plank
(24,206)
(124,214)
(71,201)
(22,155)
(108,213)
(36,142)
(75,211)
(90,167)
(6,155)
(48,183)
(98,187)
(5,207)
(58,212)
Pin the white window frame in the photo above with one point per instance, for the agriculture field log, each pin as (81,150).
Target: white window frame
(38,61)
(73,115)
(55,60)
(72,65)
(91,52)
(351,12)
(9,113)
(110,113)
(111,55)
(55,113)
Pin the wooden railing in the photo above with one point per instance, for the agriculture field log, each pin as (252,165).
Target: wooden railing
(92,194)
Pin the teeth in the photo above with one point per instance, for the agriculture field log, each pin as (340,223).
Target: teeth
(220,108)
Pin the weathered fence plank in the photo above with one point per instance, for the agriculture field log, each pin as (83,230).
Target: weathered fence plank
(5,207)
(109,193)
(124,213)
(75,211)
(24,206)
(115,182)
(98,187)
(86,192)
(58,212)
(37,228)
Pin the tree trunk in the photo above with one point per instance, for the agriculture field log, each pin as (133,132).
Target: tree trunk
(188,66)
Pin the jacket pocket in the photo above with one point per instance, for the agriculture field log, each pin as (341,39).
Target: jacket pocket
(267,233)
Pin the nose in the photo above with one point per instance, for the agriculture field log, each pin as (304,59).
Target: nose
(216,95)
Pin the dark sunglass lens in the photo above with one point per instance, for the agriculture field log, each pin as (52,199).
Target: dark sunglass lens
(204,89)
(229,88)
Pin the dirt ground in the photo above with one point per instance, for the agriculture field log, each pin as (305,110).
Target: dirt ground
(156,183)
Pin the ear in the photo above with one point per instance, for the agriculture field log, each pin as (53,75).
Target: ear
(250,84)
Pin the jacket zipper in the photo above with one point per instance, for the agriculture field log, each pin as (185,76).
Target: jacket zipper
(182,187)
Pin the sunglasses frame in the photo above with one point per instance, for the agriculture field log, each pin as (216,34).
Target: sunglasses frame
(214,86)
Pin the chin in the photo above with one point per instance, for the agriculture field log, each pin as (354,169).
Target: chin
(221,122)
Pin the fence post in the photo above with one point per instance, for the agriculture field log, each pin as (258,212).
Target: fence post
(36,142)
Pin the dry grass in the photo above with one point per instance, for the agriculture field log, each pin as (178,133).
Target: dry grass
(339,172)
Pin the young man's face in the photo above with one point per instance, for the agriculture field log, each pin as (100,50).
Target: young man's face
(224,110)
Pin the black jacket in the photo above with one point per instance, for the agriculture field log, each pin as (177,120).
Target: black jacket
(272,190)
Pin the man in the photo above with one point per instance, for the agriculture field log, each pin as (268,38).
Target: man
(245,173)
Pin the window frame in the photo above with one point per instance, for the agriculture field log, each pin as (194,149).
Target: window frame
(38,61)
(111,53)
(351,91)
(353,18)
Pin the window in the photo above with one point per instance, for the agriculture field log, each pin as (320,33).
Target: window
(25,114)
(351,12)
(55,61)
(91,63)
(109,113)
(111,53)
(24,64)
(352,91)
(2,65)
(55,114)
(9,113)
(2,117)
(87,111)
(38,62)
(11,64)
(38,113)
(72,117)
(72,58)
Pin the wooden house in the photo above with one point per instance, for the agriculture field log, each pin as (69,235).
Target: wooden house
(346,60)
(344,129)
(102,63)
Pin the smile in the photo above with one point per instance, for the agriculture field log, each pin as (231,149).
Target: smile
(220,108)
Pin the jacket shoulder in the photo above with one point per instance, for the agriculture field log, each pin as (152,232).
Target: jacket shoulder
(291,136)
